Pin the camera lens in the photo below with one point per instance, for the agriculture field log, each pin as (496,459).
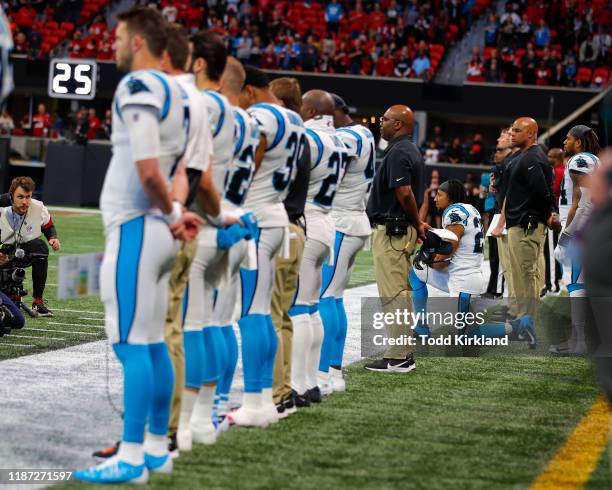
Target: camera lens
(18,275)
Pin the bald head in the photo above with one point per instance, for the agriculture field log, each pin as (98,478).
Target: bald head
(232,79)
(524,132)
(398,120)
(555,156)
(317,103)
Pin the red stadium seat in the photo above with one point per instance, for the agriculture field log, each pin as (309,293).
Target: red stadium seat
(602,73)
(584,75)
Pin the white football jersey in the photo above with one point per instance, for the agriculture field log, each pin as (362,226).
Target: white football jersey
(469,254)
(239,175)
(199,145)
(354,189)
(329,157)
(123,196)
(284,132)
(6,66)
(221,118)
(583,163)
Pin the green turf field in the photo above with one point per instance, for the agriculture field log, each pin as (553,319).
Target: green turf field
(463,423)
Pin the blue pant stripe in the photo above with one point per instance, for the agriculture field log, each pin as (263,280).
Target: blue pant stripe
(126,275)
(330,271)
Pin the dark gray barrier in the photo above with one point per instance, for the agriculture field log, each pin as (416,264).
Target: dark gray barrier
(74,174)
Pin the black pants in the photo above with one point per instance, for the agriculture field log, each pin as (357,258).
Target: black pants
(39,265)
(494,265)
(558,270)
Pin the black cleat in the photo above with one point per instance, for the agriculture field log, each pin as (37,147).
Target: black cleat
(315,395)
(300,401)
(41,309)
(173,449)
(392,365)
(290,407)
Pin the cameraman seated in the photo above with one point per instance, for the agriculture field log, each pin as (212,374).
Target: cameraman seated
(22,221)
(458,269)
(11,317)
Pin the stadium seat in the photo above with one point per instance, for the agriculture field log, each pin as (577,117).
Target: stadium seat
(583,77)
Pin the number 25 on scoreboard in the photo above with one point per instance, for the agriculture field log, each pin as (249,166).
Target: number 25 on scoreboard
(72,79)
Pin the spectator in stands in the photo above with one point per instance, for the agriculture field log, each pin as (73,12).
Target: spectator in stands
(170,13)
(385,63)
(402,67)
(82,126)
(269,59)
(421,64)
(58,126)
(367,62)
(25,124)
(41,122)
(428,212)
(542,35)
(432,153)
(75,47)
(476,153)
(455,153)
(475,69)
(6,123)
(543,74)
(98,27)
(107,125)
(105,47)
(90,50)
(588,52)
(309,59)
(333,15)
(529,65)
(491,32)
(376,18)
(570,71)
(21,43)
(94,124)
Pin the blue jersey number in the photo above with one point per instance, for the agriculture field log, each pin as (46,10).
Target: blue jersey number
(326,194)
(281,178)
(238,182)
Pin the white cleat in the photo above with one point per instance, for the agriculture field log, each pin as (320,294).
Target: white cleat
(246,417)
(337,380)
(203,433)
(184,439)
(324,383)
(159,464)
(270,413)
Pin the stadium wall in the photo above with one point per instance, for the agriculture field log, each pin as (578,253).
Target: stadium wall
(373,95)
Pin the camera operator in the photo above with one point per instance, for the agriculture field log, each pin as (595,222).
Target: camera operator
(10,315)
(393,208)
(22,222)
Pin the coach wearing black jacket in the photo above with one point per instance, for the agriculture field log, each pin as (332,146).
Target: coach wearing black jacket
(529,208)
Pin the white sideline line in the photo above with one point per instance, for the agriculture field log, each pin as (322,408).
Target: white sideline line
(77,324)
(17,345)
(91,319)
(80,311)
(34,337)
(66,209)
(62,331)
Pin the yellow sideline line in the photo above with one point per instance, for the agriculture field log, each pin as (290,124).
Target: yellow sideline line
(572,465)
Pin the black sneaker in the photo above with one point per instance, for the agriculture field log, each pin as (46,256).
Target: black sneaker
(107,452)
(41,309)
(173,449)
(315,395)
(392,365)
(290,407)
(280,408)
(300,401)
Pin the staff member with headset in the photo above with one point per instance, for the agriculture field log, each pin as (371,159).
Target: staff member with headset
(23,220)
(529,208)
(393,209)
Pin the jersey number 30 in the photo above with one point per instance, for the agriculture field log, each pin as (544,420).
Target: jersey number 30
(281,178)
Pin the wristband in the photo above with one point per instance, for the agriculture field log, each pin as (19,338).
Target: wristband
(174,215)
(218,220)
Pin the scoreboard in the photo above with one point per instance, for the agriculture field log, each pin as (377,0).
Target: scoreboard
(71,78)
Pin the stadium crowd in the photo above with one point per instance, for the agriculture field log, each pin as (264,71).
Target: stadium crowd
(557,43)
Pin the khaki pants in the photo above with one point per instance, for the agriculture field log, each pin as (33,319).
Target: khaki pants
(285,284)
(392,262)
(526,267)
(173,330)
(504,259)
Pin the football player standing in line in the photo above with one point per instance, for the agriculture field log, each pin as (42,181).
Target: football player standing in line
(352,231)
(328,159)
(141,223)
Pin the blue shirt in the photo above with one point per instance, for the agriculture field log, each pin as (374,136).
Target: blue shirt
(542,36)
(333,12)
(421,65)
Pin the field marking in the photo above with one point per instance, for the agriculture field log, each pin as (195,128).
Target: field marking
(90,319)
(572,465)
(77,324)
(16,345)
(34,337)
(80,311)
(62,331)
(69,209)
